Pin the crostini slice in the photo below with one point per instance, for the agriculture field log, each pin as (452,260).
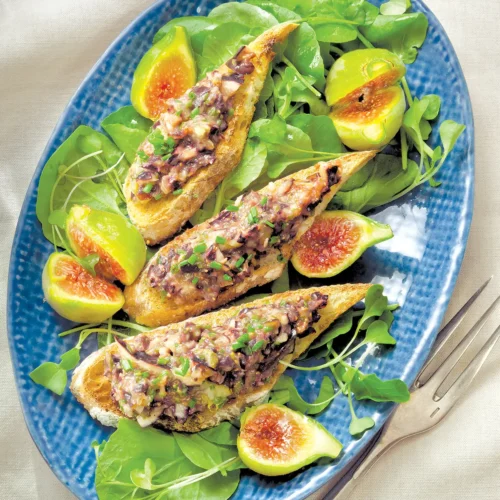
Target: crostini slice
(192,375)
(198,140)
(244,246)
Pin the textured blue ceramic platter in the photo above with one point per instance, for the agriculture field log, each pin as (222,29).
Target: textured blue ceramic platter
(418,267)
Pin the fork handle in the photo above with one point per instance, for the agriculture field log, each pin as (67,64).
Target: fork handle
(388,439)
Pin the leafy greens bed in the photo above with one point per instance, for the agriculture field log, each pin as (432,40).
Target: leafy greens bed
(290,131)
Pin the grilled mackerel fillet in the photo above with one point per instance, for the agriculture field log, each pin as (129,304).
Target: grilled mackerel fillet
(198,140)
(246,245)
(192,375)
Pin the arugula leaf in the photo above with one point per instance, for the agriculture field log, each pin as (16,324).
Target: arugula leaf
(88,153)
(373,388)
(378,333)
(295,401)
(199,451)
(50,375)
(359,426)
(402,34)
(335,33)
(433,102)
(341,326)
(128,129)
(382,179)
(449,132)
(321,131)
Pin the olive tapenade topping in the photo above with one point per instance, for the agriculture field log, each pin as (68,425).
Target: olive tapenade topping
(160,376)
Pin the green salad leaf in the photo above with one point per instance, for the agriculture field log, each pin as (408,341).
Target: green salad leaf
(146,462)
(128,129)
(244,14)
(86,169)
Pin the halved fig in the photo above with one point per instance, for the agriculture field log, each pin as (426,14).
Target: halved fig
(275,440)
(335,241)
(120,246)
(166,70)
(77,295)
(367,103)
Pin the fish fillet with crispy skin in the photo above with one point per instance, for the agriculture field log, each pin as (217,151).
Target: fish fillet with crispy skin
(198,140)
(245,246)
(192,375)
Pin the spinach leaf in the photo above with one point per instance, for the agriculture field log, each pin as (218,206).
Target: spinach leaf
(244,14)
(197,28)
(402,34)
(395,7)
(282,14)
(72,175)
(224,433)
(304,52)
(128,129)
(335,33)
(199,451)
(221,44)
(151,461)
(320,129)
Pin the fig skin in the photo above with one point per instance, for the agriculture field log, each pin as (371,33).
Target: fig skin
(367,103)
(166,70)
(356,234)
(120,246)
(63,278)
(269,430)
(355,69)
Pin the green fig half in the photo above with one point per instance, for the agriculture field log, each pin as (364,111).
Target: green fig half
(275,440)
(77,295)
(119,245)
(335,241)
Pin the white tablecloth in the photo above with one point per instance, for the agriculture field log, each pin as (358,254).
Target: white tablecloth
(46,49)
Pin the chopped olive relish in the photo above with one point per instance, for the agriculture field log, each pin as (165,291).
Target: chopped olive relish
(184,138)
(178,372)
(227,249)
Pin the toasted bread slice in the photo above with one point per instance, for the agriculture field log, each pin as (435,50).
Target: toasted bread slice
(157,220)
(148,306)
(93,389)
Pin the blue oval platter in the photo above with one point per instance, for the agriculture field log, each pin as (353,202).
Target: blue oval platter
(418,267)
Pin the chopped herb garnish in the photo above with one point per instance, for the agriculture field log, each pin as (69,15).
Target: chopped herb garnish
(263,201)
(166,157)
(193,259)
(230,112)
(195,280)
(183,263)
(177,192)
(250,329)
(194,113)
(192,95)
(268,328)
(281,258)
(157,196)
(241,342)
(145,375)
(201,248)
(142,155)
(181,251)
(274,239)
(220,240)
(126,364)
(269,223)
(178,112)
(240,262)
(192,403)
(252,216)
(163,361)
(257,345)
(232,208)
(215,265)
(250,256)
(184,367)
(170,142)
(227,277)
(147,188)
(282,303)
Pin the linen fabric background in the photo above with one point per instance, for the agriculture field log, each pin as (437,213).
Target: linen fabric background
(46,49)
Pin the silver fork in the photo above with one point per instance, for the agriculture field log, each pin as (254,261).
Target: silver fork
(432,396)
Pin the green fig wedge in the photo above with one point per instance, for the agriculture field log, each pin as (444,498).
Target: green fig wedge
(77,295)
(335,241)
(119,245)
(275,440)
